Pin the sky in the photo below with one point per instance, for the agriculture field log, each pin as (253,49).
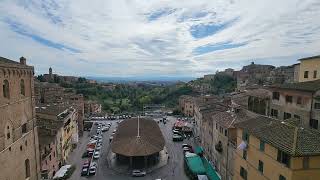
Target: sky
(149,38)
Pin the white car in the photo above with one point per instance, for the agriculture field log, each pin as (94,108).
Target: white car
(93,169)
(138,173)
(98,148)
(96,155)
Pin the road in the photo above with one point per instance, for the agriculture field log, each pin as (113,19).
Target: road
(174,170)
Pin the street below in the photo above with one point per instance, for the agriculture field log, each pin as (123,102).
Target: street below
(174,170)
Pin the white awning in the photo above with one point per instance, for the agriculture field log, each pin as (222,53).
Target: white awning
(242,145)
(62,171)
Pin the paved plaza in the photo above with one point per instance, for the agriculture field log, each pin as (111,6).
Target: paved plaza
(172,168)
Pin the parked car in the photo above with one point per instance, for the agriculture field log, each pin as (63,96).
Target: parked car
(104,129)
(177,137)
(86,164)
(186,149)
(84,172)
(96,155)
(186,145)
(138,173)
(110,139)
(92,170)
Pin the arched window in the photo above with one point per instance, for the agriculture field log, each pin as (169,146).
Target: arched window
(22,88)
(5,89)
(27,166)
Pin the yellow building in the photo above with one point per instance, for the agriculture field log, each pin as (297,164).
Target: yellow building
(270,149)
(309,69)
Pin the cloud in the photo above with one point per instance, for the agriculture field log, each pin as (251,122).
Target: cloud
(169,37)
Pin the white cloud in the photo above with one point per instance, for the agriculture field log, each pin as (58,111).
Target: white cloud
(118,38)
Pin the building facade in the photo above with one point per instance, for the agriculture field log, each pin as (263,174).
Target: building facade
(298,100)
(60,121)
(309,69)
(19,148)
(186,105)
(271,149)
(92,107)
(50,160)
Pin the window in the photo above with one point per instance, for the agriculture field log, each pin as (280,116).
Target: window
(262,145)
(27,167)
(274,113)
(282,177)
(299,100)
(5,89)
(49,157)
(288,99)
(313,123)
(283,158)
(314,74)
(276,95)
(245,136)
(225,132)
(244,154)
(286,115)
(305,162)
(24,128)
(260,167)
(22,88)
(306,74)
(221,130)
(296,116)
(317,105)
(216,126)
(243,173)
(8,132)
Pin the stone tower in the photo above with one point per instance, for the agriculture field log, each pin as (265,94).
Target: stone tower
(19,147)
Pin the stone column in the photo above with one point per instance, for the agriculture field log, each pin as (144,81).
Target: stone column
(145,161)
(131,163)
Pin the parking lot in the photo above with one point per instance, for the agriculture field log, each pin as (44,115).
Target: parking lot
(173,170)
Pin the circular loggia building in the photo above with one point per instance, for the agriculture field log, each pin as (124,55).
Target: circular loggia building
(137,143)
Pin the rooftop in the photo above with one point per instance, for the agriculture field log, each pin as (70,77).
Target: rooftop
(127,143)
(5,60)
(309,58)
(227,119)
(283,135)
(309,86)
(53,109)
(261,93)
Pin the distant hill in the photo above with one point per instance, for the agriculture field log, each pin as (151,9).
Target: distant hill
(141,79)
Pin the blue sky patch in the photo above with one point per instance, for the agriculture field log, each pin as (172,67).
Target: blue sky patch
(204,30)
(18,28)
(159,13)
(216,47)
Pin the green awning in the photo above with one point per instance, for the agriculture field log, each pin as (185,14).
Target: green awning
(210,171)
(195,165)
(199,150)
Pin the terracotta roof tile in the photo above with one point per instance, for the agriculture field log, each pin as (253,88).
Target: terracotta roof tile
(282,135)
(127,143)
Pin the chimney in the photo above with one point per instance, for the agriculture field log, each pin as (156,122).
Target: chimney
(23,61)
